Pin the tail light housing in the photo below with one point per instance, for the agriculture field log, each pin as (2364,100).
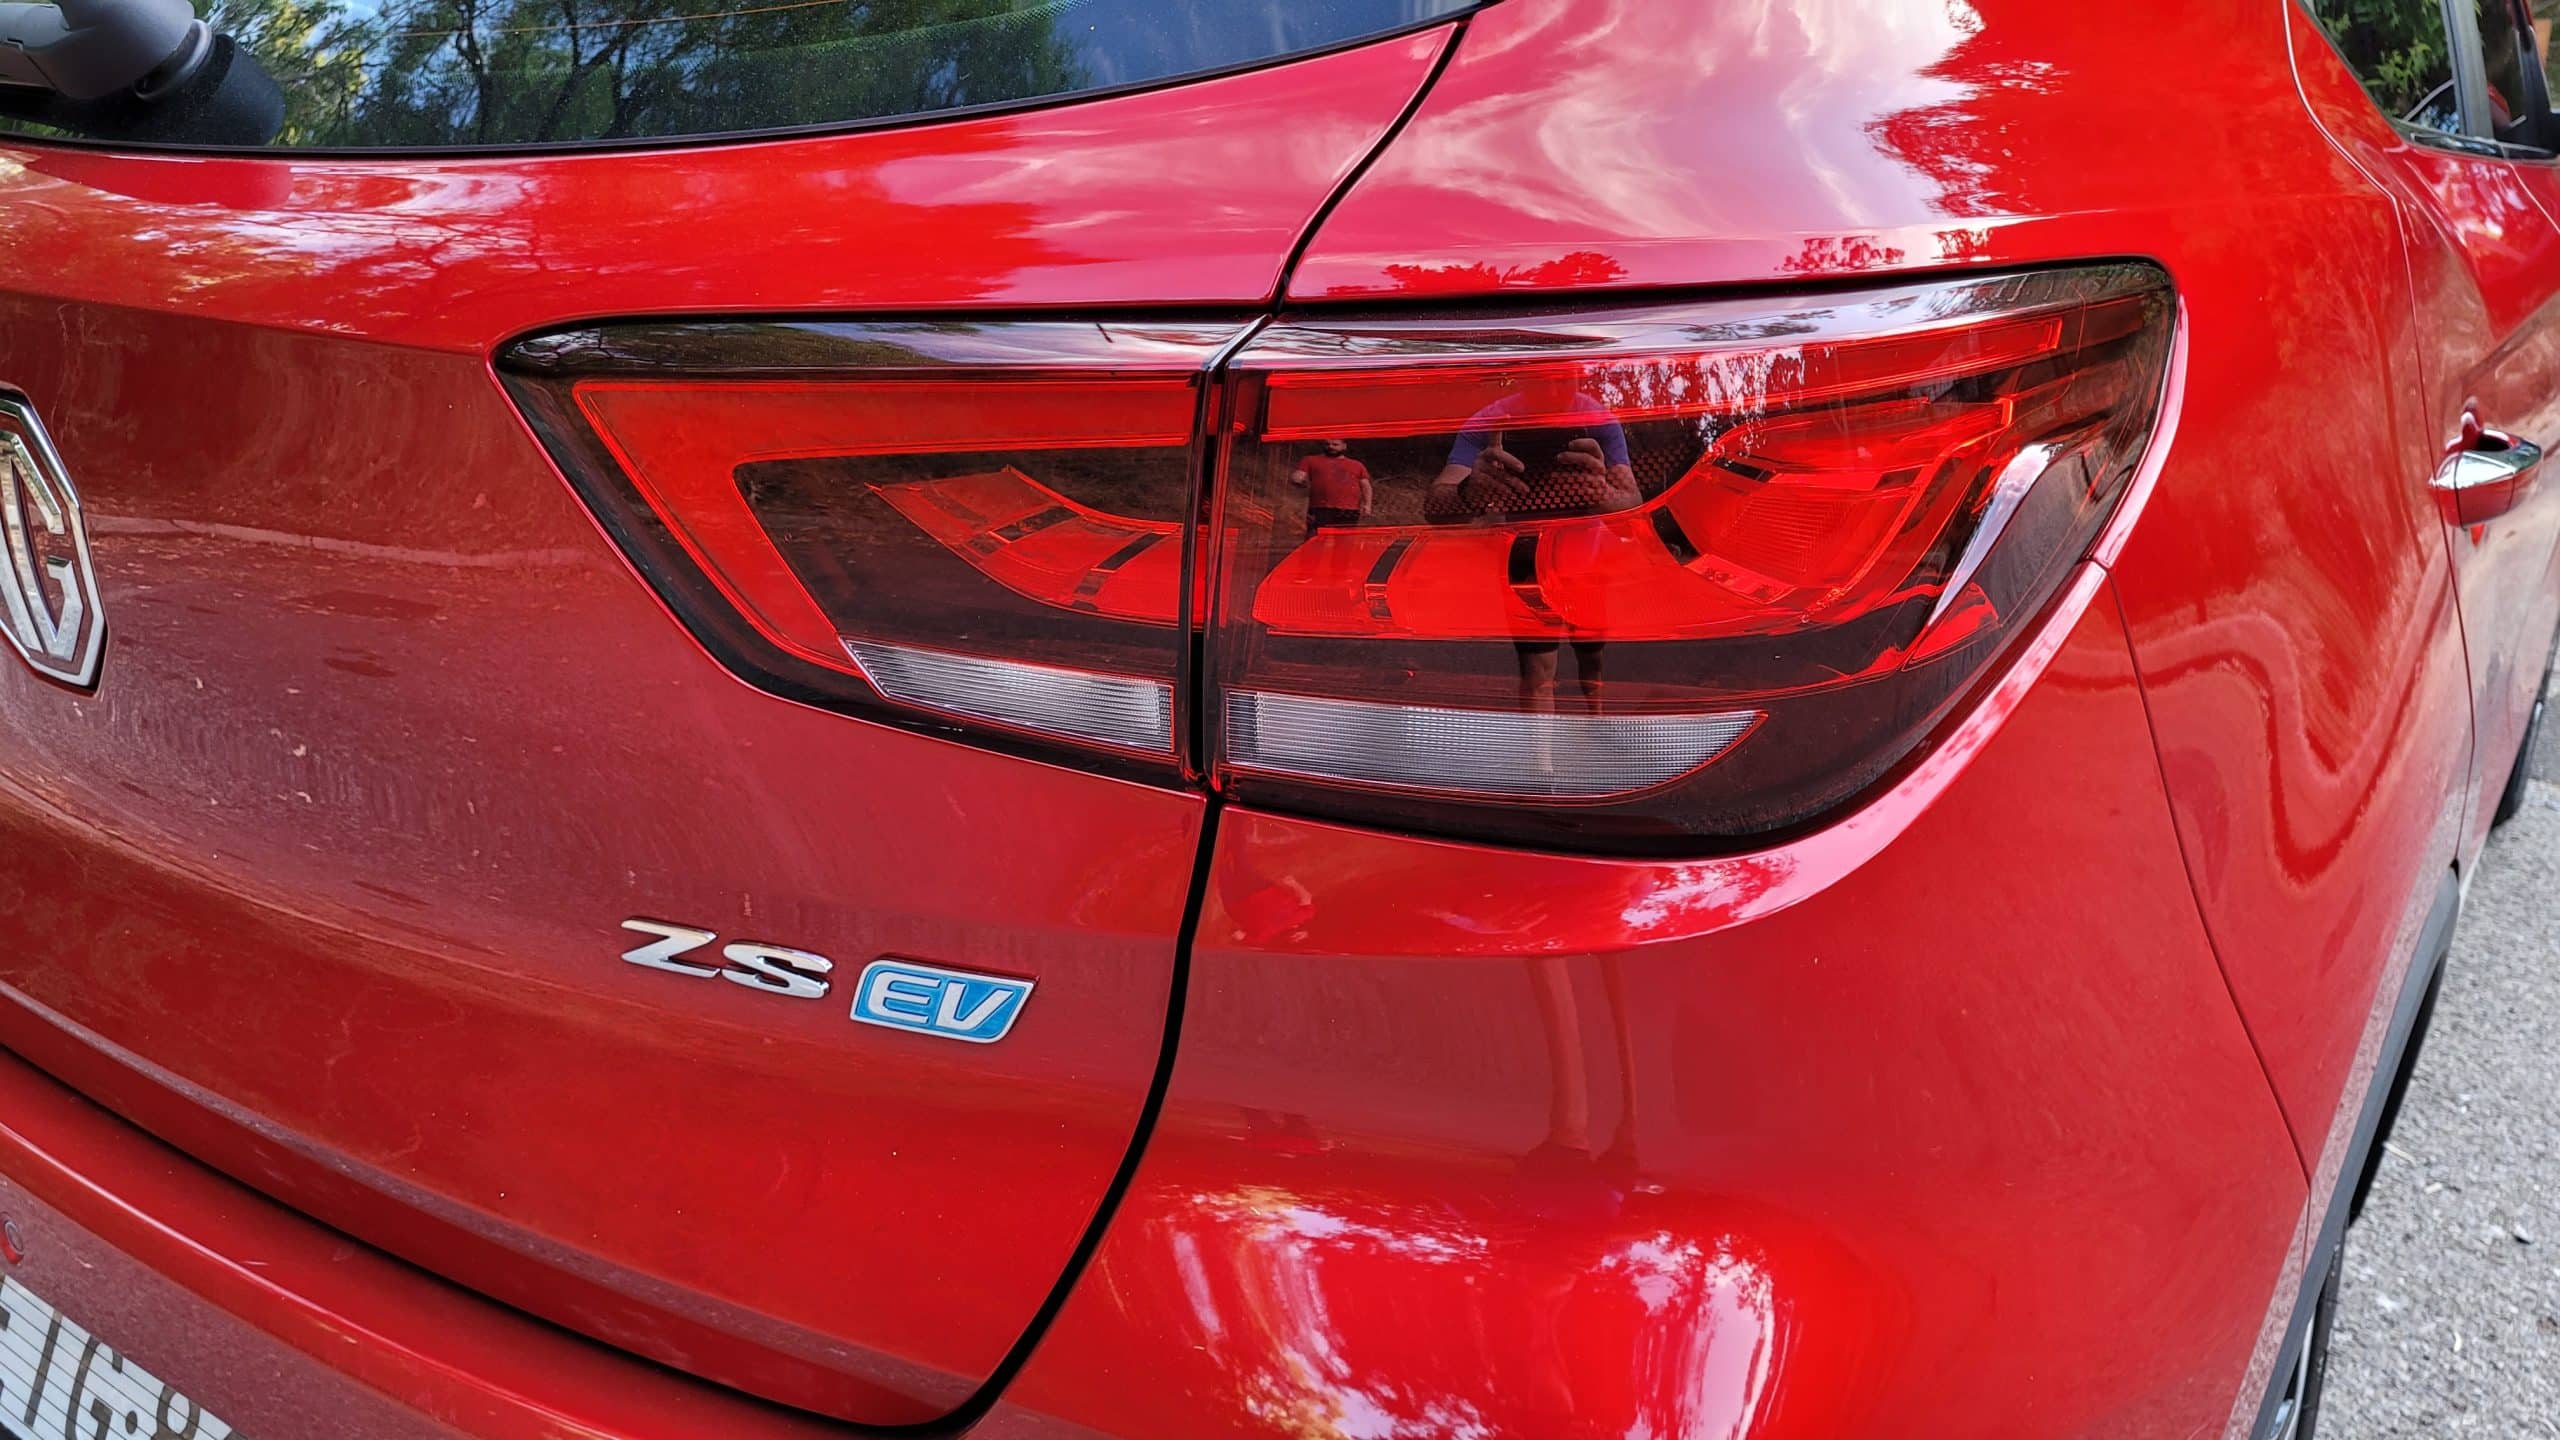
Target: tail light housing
(1640,578)
(966,527)
(1652,575)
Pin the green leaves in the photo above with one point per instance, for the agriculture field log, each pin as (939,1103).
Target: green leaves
(2398,47)
(479,72)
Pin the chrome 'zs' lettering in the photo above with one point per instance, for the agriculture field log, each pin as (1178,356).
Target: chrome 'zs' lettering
(795,973)
(674,940)
(775,969)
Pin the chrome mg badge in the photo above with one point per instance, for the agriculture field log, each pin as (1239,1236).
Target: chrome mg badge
(52,596)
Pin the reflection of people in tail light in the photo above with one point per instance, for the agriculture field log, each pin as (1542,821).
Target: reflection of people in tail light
(1546,451)
(1337,486)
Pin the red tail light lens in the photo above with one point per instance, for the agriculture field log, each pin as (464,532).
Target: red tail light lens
(1635,577)
(949,524)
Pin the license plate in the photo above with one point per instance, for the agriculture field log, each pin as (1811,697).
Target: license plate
(59,1382)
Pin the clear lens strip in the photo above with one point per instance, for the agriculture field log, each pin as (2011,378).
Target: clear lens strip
(1118,710)
(1535,755)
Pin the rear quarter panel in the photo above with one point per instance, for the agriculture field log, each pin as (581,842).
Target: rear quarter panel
(2287,589)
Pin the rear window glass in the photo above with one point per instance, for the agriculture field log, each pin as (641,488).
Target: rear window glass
(445,73)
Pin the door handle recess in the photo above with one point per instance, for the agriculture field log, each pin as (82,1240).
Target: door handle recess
(2488,477)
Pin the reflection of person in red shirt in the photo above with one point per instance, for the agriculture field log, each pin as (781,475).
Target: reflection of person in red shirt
(1337,486)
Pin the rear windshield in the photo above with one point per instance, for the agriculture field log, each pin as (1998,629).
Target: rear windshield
(445,73)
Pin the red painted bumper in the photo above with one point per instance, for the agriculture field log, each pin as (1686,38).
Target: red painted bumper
(282,1327)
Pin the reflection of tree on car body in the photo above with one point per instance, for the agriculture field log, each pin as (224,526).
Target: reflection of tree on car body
(1549,450)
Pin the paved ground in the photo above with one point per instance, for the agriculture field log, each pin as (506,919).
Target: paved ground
(2450,1323)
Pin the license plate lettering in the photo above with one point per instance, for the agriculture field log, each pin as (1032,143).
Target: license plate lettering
(59,1382)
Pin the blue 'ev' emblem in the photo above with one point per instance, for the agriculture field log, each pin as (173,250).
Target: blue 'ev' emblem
(953,1004)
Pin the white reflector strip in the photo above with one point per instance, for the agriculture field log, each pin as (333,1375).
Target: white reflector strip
(1473,752)
(1118,710)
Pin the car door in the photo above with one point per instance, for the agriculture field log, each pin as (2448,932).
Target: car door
(2508,550)
(378,824)
(2480,192)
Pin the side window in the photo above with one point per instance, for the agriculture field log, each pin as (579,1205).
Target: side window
(2513,64)
(2545,12)
(2402,53)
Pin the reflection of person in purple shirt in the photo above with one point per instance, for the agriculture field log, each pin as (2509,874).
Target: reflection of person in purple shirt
(1590,474)
(1496,468)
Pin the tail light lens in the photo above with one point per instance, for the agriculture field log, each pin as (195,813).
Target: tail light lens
(1628,579)
(953,524)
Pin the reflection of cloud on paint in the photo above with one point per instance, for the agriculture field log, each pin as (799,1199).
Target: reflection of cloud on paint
(1715,1353)
(1708,895)
(1658,1266)
(1885,54)
(1343,1319)
(1608,167)
(1195,1287)
(1278,1246)
(1268,1214)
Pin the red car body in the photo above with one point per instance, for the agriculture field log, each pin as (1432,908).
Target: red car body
(2023,1097)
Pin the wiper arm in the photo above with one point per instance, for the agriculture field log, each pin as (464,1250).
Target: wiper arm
(140,70)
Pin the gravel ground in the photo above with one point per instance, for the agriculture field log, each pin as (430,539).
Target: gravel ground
(2450,1320)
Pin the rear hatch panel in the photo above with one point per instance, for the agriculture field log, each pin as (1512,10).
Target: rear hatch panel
(325,881)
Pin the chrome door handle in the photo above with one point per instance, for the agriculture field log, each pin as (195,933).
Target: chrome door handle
(2488,477)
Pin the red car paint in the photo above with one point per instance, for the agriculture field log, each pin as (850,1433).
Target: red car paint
(2013,1100)
(374,879)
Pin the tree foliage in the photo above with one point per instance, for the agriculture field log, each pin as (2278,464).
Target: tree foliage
(477,72)
(2399,48)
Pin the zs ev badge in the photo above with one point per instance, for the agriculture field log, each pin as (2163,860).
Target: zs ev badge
(52,598)
(898,994)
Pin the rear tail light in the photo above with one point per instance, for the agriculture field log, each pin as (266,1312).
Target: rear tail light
(1660,573)
(1630,578)
(956,525)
